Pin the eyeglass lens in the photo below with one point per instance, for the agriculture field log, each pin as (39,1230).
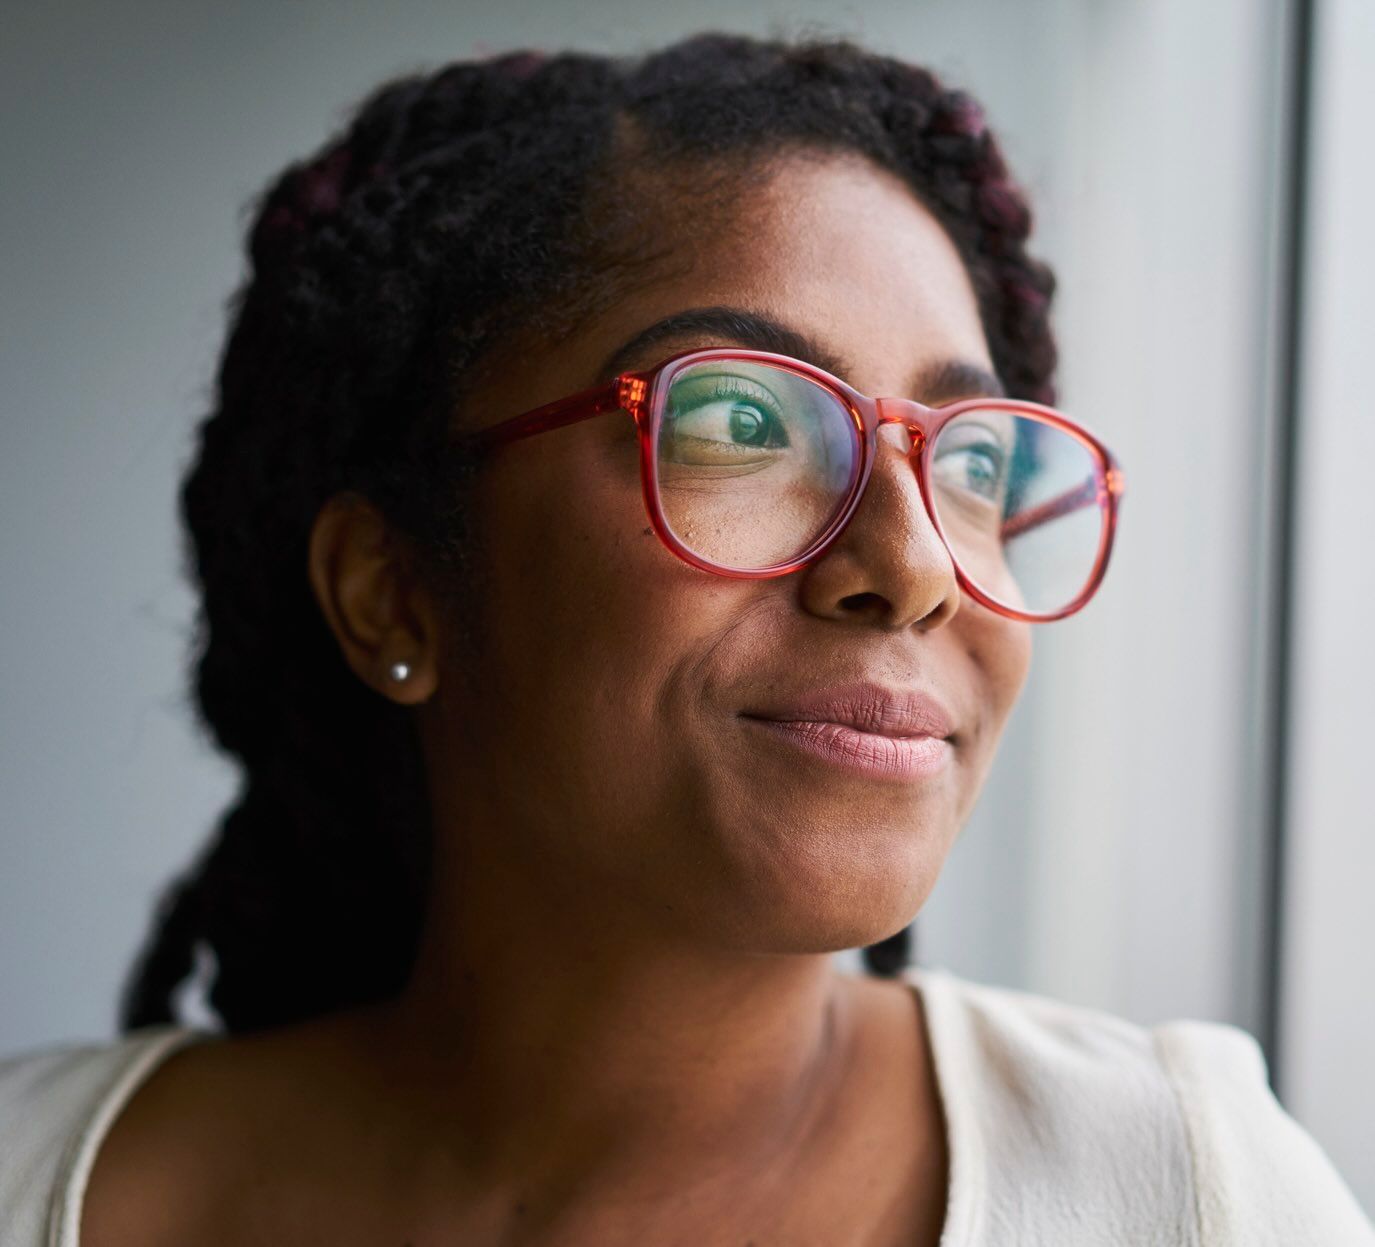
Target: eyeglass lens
(755,462)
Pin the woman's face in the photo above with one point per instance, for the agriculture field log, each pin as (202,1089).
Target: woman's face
(605,753)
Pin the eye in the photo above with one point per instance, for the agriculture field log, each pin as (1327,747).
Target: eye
(749,425)
(724,414)
(972,460)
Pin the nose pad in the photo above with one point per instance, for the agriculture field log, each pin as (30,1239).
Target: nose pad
(900,419)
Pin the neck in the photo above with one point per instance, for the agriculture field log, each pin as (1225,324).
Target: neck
(546,1043)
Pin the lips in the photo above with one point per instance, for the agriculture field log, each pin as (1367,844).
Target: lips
(864,707)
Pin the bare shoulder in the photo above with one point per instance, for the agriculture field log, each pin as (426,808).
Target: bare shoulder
(158,1163)
(195,1140)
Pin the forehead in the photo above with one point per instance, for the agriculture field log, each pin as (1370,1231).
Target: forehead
(829,243)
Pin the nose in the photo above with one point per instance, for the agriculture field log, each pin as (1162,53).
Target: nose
(889,566)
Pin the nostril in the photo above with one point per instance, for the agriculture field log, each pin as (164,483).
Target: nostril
(864,603)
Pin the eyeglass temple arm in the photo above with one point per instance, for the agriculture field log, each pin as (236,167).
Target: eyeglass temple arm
(1096,490)
(611,396)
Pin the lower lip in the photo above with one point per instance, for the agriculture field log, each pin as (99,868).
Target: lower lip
(887,757)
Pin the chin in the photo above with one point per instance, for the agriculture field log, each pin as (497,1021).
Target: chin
(827,894)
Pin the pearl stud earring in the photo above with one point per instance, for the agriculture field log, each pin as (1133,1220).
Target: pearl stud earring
(399,671)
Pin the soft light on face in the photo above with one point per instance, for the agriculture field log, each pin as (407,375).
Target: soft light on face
(607,736)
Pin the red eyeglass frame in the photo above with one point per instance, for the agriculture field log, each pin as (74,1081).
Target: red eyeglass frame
(641,395)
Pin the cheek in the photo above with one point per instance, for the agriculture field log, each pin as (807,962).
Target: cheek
(1000,653)
(1003,648)
(585,612)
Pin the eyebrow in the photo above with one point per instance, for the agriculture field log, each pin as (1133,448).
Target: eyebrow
(946,379)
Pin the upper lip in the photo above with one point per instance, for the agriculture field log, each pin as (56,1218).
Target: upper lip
(866,707)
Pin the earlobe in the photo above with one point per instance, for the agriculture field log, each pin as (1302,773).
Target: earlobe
(373,604)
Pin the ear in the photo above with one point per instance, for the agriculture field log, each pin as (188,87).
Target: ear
(373,601)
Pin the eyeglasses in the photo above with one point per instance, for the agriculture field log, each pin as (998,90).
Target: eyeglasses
(753,463)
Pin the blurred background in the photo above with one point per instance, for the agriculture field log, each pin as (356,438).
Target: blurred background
(1179,824)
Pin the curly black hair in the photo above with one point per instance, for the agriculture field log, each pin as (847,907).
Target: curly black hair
(454,208)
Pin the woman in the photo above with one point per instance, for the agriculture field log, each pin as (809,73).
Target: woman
(600,659)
